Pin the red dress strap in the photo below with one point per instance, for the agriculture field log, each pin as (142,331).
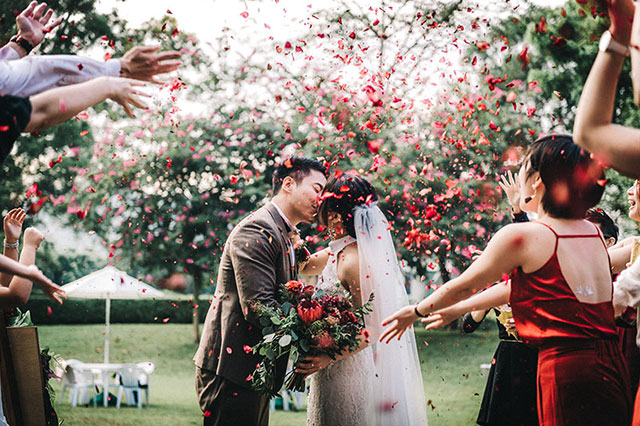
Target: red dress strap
(555,249)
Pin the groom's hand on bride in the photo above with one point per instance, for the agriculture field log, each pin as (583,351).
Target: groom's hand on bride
(312,364)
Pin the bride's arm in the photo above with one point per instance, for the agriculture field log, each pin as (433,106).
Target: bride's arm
(349,276)
(317,262)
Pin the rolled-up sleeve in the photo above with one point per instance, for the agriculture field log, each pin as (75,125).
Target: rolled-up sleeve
(35,74)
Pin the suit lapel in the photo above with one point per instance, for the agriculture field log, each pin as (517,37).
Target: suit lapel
(292,270)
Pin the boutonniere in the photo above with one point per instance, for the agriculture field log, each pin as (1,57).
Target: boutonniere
(300,250)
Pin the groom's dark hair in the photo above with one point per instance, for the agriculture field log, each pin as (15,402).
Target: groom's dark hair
(342,194)
(296,167)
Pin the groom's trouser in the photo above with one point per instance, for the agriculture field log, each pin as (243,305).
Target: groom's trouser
(225,403)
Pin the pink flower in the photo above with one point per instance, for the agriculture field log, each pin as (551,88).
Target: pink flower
(324,341)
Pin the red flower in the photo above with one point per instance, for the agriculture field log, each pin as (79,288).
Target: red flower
(308,291)
(310,311)
(293,286)
(324,341)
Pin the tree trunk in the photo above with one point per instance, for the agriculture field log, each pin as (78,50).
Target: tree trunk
(442,260)
(197,286)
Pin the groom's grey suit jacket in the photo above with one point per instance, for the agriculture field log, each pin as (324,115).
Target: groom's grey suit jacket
(255,260)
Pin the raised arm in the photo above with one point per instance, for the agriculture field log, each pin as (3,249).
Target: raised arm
(35,74)
(615,145)
(12,230)
(33,24)
(19,290)
(503,254)
(57,105)
(494,296)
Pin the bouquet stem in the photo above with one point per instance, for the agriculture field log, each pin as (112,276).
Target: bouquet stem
(295,382)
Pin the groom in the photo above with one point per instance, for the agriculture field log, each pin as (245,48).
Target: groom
(257,257)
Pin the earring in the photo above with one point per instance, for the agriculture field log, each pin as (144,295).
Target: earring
(527,200)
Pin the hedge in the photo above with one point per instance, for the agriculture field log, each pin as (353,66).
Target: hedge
(92,311)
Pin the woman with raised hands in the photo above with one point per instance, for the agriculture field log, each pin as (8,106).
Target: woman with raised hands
(560,289)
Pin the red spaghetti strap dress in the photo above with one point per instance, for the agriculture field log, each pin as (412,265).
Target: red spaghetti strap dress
(582,377)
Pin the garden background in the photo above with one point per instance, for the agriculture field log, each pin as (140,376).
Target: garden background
(430,100)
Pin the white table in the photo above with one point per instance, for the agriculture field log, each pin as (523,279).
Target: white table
(104,371)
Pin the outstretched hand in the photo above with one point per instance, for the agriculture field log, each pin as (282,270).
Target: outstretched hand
(511,188)
(142,63)
(13,225)
(32,24)
(404,319)
(53,291)
(441,318)
(124,92)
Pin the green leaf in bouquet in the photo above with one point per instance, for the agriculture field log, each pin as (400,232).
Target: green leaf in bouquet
(269,337)
(276,320)
(286,307)
(265,321)
(270,354)
(263,351)
(285,340)
(268,330)
(305,345)
(294,336)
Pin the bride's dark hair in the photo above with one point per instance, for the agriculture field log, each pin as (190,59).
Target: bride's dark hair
(341,195)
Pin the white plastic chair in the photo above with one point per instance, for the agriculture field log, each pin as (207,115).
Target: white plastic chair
(79,382)
(134,379)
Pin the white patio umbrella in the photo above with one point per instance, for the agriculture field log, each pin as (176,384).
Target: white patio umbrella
(109,283)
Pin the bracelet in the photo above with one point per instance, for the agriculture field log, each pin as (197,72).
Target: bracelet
(11,245)
(415,309)
(22,42)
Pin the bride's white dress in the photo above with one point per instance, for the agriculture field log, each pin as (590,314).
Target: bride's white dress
(382,384)
(341,394)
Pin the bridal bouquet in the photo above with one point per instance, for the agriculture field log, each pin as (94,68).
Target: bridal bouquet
(308,322)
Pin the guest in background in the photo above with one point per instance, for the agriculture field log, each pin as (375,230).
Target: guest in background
(560,290)
(16,283)
(510,393)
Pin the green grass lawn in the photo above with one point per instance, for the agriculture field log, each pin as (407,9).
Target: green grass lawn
(450,366)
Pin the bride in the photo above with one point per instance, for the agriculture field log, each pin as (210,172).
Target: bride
(376,384)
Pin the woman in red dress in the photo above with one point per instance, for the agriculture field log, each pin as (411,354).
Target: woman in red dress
(560,289)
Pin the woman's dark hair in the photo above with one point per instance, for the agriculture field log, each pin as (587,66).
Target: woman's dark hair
(573,181)
(605,223)
(341,195)
(296,167)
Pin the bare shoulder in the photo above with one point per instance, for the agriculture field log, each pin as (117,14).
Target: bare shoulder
(348,264)
(517,235)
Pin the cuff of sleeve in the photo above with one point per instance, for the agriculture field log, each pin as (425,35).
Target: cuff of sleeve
(520,217)
(113,68)
(626,290)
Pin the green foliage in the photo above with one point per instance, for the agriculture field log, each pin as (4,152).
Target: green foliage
(544,56)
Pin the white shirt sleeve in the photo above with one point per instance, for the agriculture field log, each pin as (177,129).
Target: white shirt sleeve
(8,53)
(626,290)
(35,74)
